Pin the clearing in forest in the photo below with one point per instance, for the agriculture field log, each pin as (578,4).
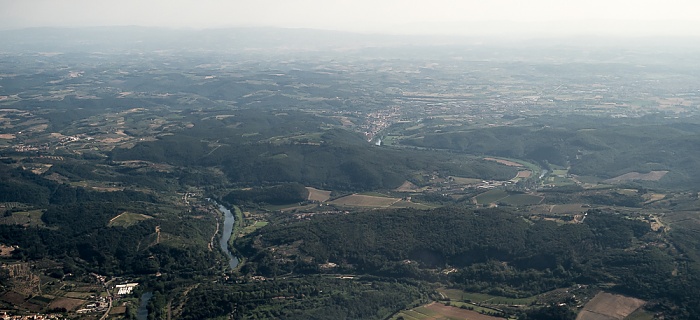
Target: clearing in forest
(359,200)
(630,176)
(407,186)
(318,195)
(439,311)
(69,304)
(505,162)
(490,196)
(607,306)
(127,219)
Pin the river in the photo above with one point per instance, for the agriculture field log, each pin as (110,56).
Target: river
(229,219)
(142,311)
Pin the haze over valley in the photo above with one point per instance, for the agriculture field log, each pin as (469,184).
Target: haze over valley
(265,172)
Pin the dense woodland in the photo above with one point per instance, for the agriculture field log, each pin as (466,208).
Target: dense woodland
(530,258)
(76,229)
(276,195)
(334,159)
(603,148)
(312,297)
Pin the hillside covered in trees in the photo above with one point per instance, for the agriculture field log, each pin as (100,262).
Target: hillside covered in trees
(493,251)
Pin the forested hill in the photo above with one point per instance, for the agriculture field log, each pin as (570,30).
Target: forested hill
(604,148)
(314,155)
(73,225)
(491,250)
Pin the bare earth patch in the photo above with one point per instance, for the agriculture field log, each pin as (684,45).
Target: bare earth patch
(505,162)
(39,128)
(651,176)
(524,174)
(13,298)
(568,208)
(6,251)
(365,201)
(127,219)
(118,310)
(607,306)
(7,136)
(407,186)
(113,140)
(318,195)
(69,304)
(651,197)
(456,313)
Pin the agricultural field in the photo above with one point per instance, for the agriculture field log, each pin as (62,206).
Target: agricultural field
(683,220)
(465,181)
(118,310)
(522,200)
(251,228)
(78,295)
(439,311)
(359,200)
(483,298)
(408,204)
(523,174)
(559,181)
(127,219)
(640,314)
(407,186)
(560,172)
(491,196)
(630,176)
(318,195)
(570,208)
(30,218)
(607,306)
(505,162)
(653,197)
(501,196)
(69,304)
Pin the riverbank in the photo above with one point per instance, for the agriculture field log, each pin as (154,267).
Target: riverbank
(228,232)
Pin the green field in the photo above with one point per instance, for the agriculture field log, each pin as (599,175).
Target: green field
(471,306)
(127,219)
(460,180)
(522,200)
(416,313)
(255,226)
(406,204)
(640,314)
(560,181)
(560,172)
(27,218)
(374,194)
(390,140)
(491,196)
(483,298)
(497,195)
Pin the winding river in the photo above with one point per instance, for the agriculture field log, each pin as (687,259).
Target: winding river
(142,311)
(229,219)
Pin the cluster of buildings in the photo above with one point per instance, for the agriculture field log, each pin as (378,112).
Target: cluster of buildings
(101,304)
(124,289)
(5,316)
(30,148)
(308,215)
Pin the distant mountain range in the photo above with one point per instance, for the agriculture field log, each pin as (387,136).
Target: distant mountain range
(133,38)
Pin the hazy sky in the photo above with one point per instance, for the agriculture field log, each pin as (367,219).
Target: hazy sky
(393,16)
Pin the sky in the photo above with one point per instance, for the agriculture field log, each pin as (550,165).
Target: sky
(624,17)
